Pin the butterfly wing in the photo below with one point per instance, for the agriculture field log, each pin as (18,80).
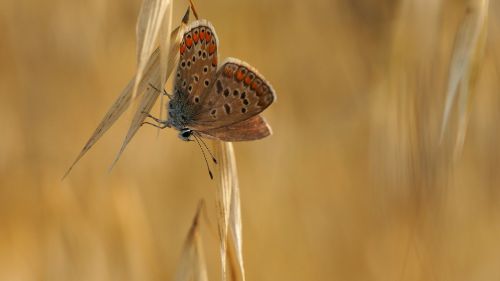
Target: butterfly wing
(197,62)
(238,93)
(253,128)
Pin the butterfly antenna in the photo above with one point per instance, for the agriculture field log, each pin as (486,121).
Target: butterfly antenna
(210,152)
(204,157)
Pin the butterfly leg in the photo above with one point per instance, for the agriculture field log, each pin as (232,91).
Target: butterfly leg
(164,91)
(162,126)
(154,118)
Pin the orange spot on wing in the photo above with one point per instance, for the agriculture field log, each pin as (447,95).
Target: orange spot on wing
(248,80)
(255,84)
(189,42)
(214,61)
(208,37)
(183,48)
(239,75)
(202,35)
(196,38)
(211,48)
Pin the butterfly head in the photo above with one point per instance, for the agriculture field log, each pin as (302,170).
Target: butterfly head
(185,134)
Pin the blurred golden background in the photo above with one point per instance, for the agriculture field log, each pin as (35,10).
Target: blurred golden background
(353,185)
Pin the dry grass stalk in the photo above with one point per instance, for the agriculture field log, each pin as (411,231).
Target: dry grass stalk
(151,75)
(191,4)
(156,71)
(164,39)
(152,19)
(229,214)
(149,98)
(192,265)
(467,54)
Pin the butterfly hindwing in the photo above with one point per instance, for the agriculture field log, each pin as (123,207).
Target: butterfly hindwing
(253,128)
(238,93)
(197,62)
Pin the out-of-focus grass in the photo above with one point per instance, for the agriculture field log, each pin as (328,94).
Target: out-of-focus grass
(352,185)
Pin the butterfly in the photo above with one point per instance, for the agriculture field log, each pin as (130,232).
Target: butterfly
(216,102)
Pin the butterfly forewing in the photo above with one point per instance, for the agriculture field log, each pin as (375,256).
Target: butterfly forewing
(197,62)
(238,93)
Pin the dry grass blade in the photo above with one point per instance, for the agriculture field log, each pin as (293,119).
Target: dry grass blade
(147,102)
(151,75)
(467,53)
(149,24)
(164,39)
(191,4)
(115,111)
(229,214)
(192,264)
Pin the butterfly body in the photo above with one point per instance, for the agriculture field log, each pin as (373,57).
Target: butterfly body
(180,112)
(221,102)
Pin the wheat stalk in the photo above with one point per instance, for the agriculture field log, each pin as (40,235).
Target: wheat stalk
(229,214)
(152,18)
(147,95)
(155,70)
(467,54)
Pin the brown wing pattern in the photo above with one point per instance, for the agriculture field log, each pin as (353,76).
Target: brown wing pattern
(253,128)
(197,62)
(238,93)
